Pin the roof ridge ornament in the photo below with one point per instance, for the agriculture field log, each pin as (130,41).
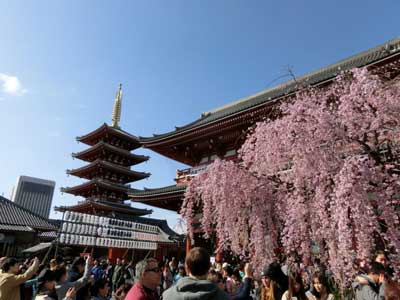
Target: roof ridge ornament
(116,115)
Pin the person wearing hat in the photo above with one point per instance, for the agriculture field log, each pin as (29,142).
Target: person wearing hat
(46,287)
(10,281)
(273,283)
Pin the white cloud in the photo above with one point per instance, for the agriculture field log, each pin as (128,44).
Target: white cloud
(11,85)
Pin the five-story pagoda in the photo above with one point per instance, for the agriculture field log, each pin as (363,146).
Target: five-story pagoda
(103,219)
(109,160)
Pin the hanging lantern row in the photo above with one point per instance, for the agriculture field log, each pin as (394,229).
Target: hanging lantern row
(71,239)
(107,232)
(77,239)
(76,217)
(126,244)
(79,228)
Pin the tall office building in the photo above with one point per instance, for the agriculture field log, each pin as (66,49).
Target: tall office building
(34,194)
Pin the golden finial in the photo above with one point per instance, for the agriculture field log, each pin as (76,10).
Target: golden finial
(116,116)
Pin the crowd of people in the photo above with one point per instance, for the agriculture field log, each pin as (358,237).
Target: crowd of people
(195,278)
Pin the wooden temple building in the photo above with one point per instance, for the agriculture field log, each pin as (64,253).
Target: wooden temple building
(103,223)
(221,132)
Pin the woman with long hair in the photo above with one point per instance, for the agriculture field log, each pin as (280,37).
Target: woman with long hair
(268,289)
(296,288)
(320,290)
(273,283)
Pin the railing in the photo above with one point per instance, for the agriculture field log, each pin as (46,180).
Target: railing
(189,172)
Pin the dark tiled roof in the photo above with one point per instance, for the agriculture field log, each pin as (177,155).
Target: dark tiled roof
(96,182)
(158,191)
(114,167)
(111,205)
(142,211)
(365,58)
(116,131)
(102,145)
(6,227)
(12,214)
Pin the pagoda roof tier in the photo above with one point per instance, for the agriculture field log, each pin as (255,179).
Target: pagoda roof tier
(108,152)
(115,136)
(95,188)
(101,206)
(168,197)
(226,118)
(100,167)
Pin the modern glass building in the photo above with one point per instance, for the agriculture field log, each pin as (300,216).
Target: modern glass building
(34,194)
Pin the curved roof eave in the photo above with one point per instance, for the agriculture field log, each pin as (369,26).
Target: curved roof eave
(365,58)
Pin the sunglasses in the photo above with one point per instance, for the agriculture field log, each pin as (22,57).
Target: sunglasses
(155,270)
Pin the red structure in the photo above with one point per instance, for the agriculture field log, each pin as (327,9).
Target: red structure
(221,132)
(108,173)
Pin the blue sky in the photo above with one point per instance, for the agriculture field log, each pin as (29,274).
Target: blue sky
(61,62)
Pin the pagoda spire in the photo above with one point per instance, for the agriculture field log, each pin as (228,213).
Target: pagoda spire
(116,116)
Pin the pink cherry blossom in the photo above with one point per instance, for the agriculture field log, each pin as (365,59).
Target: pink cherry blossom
(325,170)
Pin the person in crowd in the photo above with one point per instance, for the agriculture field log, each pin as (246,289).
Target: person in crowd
(240,267)
(101,289)
(212,275)
(296,288)
(97,270)
(46,287)
(237,281)
(118,275)
(167,278)
(77,272)
(53,264)
(129,275)
(279,278)
(122,291)
(195,285)
(372,285)
(62,283)
(269,288)
(148,276)
(173,266)
(181,273)
(227,272)
(380,257)
(109,271)
(10,281)
(320,290)
(220,281)
(244,288)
